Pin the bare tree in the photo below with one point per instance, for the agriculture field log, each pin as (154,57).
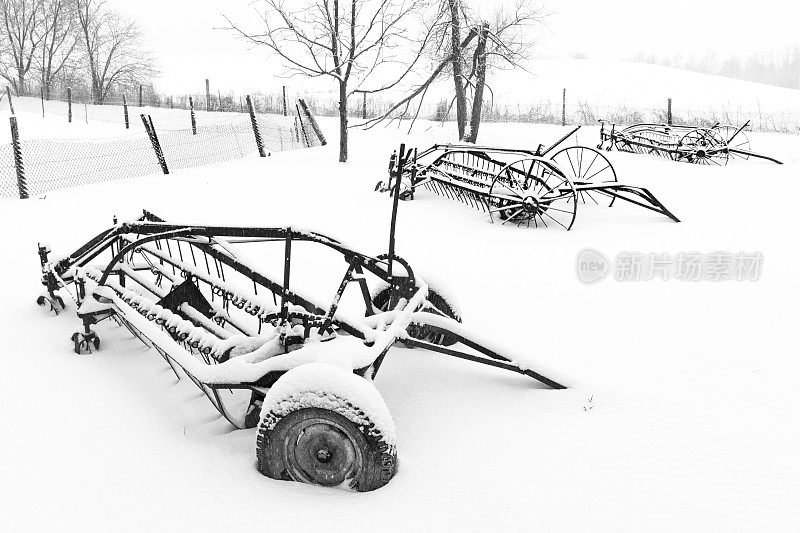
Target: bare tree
(59,37)
(113,49)
(350,41)
(19,39)
(502,43)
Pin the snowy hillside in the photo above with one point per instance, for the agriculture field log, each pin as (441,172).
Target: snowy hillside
(680,416)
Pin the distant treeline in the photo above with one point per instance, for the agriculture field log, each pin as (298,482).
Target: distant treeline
(777,67)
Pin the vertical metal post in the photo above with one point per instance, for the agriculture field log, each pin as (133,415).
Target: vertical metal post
(10,103)
(287,268)
(69,104)
(125,112)
(669,111)
(41,92)
(284,100)
(208,95)
(254,122)
(364,106)
(140,95)
(398,175)
(21,183)
(564,107)
(151,133)
(191,114)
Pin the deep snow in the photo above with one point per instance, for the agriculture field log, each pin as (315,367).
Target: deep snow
(681,415)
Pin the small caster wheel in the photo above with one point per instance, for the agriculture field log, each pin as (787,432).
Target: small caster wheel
(85,343)
(54,304)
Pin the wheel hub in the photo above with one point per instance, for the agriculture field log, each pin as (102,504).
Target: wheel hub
(530,204)
(321,452)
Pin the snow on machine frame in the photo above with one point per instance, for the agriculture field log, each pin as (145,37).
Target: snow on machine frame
(265,353)
(691,144)
(540,188)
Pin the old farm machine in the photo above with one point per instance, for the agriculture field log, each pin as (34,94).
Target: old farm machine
(691,144)
(540,188)
(260,343)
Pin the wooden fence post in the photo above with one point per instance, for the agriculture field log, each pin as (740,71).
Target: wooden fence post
(364,106)
(191,114)
(151,133)
(669,111)
(125,110)
(254,122)
(21,183)
(10,103)
(313,122)
(208,95)
(284,100)
(69,104)
(564,107)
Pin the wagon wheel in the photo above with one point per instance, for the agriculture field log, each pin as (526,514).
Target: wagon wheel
(586,166)
(740,142)
(707,147)
(435,304)
(533,191)
(322,425)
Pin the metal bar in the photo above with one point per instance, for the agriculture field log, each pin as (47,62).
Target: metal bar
(496,360)
(287,267)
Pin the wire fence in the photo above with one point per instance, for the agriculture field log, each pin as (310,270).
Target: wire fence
(51,164)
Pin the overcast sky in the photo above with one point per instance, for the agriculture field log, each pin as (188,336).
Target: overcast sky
(183,36)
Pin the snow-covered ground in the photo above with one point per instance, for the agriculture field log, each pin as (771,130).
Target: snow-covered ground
(681,413)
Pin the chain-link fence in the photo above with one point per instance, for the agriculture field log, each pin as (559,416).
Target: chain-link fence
(49,164)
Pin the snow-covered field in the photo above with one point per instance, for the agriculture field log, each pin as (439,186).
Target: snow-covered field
(681,414)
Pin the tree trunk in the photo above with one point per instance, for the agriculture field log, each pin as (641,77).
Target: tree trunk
(458,75)
(342,121)
(480,83)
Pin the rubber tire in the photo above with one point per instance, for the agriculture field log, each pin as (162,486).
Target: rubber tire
(378,460)
(423,333)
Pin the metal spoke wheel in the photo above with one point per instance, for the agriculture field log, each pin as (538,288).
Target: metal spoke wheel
(707,147)
(587,166)
(739,142)
(533,192)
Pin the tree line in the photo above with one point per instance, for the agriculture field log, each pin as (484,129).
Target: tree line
(50,45)
(776,67)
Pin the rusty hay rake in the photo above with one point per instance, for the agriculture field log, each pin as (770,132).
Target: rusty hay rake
(716,145)
(540,188)
(270,354)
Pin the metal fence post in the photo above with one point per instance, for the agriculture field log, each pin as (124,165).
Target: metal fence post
(191,114)
(253,120)
(208,95)
(21,183)
(69,104)
(313,122)
(125,111)
(284,100)
(10,103)
(564,107)
(151,133)
(669,111)
(41,93)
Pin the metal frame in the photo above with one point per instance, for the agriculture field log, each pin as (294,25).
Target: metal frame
(691,144)
(519,186)
(208,301)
